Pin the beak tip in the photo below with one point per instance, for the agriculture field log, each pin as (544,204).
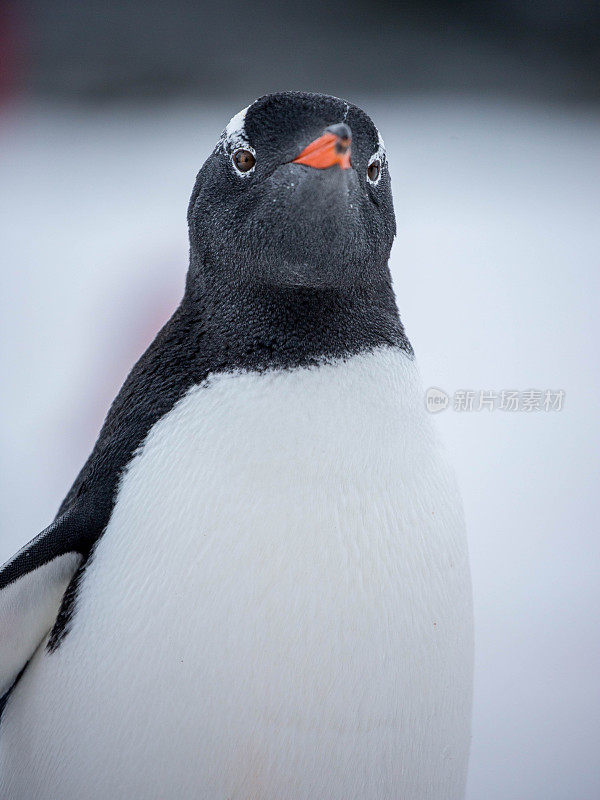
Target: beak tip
(341,130)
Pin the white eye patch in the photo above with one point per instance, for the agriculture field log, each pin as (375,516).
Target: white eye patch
(234,138)
(378,155)
(234,135)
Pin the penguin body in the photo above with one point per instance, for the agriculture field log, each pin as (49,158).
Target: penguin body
(269,589)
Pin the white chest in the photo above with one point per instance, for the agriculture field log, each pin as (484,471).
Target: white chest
(279,607)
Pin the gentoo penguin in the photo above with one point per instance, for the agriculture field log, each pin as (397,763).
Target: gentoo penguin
(257,587)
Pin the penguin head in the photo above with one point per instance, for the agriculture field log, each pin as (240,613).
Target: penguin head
(296,193)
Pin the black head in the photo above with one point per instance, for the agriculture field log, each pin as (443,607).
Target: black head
(296,194)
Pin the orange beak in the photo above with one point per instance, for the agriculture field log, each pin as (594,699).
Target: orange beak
(329,149)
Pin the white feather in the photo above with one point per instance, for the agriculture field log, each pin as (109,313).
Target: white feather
(280,607)
(28,609)
(234,135)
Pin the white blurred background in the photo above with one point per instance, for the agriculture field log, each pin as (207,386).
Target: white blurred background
(496,270)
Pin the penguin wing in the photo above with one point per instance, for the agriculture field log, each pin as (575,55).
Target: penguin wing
(38,586)
(32,585)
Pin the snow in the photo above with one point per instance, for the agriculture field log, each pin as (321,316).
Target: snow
(496,273)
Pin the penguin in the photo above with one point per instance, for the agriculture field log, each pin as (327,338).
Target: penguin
(258,586)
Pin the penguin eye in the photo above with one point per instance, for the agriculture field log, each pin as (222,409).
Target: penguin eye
(243,160)
(374,170)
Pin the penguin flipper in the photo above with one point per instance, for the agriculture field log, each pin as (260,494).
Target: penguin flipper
(32,585)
